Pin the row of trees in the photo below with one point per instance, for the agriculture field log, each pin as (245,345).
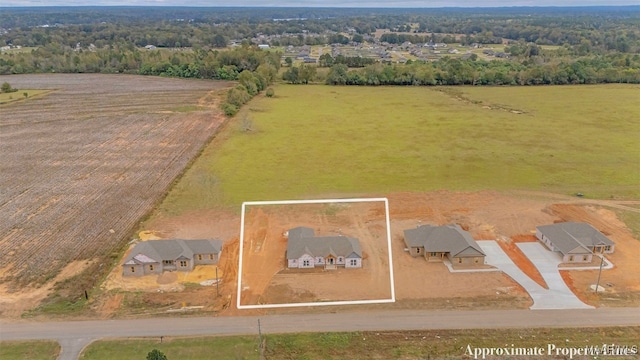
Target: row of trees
(202,64)
(468,72)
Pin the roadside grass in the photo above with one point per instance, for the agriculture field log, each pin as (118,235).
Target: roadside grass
(33,350)
(6,98)
(313,140)
(423,344)
(232,347)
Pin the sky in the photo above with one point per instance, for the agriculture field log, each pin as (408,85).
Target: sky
(321,3)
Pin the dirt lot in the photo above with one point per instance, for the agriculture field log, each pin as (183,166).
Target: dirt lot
(509,218)
(83,164)
(266,279)
(622,283)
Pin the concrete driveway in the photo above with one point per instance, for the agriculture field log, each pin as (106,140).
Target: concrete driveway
(558,296)
(547,263)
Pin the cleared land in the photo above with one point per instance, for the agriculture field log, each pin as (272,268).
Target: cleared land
(320,141)
(266,278)
(84,164)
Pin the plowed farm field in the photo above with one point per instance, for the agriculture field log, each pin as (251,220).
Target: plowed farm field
(82,165)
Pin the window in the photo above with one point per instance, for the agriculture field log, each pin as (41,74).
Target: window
(305,262)
(607,248)
(150,267)
(571,258)
(340,259)
(459,260)
(585,258)
(211,257)
(417,250)
(199,256)
(183,263)
(354,262)
(133,269)
(433,254)
(167,262)
(477,260)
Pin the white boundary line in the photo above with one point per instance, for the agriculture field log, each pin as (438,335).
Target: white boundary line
(327,303)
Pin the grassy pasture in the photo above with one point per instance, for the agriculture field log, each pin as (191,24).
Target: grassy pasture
(310,141)
(33,350)
(360,345)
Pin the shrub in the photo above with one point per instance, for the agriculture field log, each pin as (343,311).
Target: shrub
(270,92)
(156,354)
(229,109)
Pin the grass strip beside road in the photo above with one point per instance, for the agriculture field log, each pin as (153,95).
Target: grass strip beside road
(362,345)
(32,350)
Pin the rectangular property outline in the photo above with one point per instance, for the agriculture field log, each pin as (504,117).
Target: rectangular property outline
(318,201)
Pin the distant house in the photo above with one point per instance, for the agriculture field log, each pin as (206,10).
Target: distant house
(263,46)
(577,242)
(305,250)
(157,256)
(436,243)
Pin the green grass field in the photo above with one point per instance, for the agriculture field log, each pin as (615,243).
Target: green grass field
(311,141)
(359,345)
(32,350)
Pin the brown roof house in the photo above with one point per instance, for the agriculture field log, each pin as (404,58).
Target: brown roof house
(305,250)
(436,243)
(577,242)
(156,256)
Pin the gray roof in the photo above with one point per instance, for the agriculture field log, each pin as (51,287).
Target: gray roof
(301,240)
(174,249)
(573,237)
(447,238)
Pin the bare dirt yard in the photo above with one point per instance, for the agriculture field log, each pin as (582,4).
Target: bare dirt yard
(506,217)
(82,165)
(267,280)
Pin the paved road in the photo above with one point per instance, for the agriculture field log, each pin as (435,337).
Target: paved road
(74,335)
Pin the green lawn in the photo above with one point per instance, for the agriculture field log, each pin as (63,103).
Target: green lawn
(310,141)
(32,350)
(360,345)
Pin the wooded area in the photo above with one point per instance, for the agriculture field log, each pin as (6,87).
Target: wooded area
(583,45)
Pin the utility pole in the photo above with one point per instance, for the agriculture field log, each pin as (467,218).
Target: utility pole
(261,344)
(599,272)
(217,283)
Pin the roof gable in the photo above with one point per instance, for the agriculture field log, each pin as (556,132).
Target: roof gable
(159,250)
(323,246)
(573,237)
(447,238)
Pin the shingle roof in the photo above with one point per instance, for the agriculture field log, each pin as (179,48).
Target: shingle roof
(301,240)
(160,250)
(446,238)
(573,237)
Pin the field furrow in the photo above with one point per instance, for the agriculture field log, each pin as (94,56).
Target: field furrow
(82,165)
